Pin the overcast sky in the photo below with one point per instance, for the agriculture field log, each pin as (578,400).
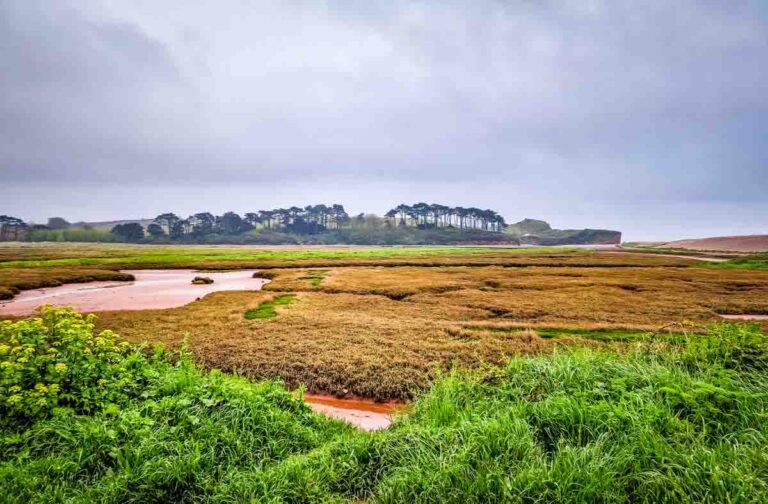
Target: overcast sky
(648,117)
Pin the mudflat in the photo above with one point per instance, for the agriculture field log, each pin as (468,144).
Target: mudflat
(150,289)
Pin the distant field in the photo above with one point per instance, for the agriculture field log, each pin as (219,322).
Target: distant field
(753,243)
(381,322)
(117,255)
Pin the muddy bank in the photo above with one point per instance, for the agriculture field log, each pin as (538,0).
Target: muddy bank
(363,414)
(151,289)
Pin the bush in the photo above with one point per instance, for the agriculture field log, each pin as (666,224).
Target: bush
(56,361)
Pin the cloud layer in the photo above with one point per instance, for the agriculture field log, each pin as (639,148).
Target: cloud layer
(554,104)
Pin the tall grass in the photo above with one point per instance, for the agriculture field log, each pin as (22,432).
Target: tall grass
(669,420)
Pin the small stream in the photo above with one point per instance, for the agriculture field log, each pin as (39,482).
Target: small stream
(363,414)
(159,289)
(151,289)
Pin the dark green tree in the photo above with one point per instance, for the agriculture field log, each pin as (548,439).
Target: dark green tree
(155,230)
(131,232)
(169,222)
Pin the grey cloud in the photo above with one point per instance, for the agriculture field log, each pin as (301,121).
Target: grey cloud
(606,101)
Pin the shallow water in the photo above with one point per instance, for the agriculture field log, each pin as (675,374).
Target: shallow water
(151,289)
(363,414)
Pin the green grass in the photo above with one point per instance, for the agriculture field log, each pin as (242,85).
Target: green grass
(315,277)
(597,335)
(680,420)
(183,255)
(267,309)
(606,335)
(752,262)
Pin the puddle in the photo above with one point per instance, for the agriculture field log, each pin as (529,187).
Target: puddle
(151,289)
(363,414)
(745,317)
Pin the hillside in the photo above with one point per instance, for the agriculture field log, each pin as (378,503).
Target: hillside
(109,224)
(539,232)
(750,243)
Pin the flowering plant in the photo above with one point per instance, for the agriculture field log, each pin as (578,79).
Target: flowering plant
(57,361)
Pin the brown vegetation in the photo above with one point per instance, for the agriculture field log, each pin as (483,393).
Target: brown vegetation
(383,332)
(383,326)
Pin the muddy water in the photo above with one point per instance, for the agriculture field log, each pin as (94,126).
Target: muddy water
(151,289)
(365,415)
(745,317)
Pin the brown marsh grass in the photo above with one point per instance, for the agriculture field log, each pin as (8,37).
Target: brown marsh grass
(383,326)
(384,332)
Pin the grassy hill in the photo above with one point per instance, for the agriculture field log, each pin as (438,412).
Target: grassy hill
(538,232)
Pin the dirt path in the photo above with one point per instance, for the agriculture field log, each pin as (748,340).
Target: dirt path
(363,414)
(674,256)
(745,317)
(151,289)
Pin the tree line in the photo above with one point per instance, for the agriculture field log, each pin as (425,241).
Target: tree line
(308,220)
(426,215)
(311,219)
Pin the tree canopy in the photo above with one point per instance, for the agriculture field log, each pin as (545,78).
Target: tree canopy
(426,215)
(131,232)
(281,222)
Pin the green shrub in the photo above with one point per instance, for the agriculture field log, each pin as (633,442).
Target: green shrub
(56,361)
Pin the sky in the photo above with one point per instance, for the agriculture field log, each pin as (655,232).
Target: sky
(646,117)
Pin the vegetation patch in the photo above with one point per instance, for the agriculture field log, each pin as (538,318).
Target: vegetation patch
(267,309)
(315,277)
(749,262)
(595,334)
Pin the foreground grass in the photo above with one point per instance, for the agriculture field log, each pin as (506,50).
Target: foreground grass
(680,420)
